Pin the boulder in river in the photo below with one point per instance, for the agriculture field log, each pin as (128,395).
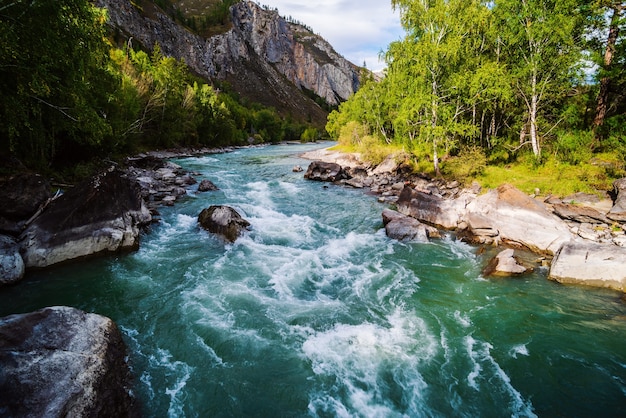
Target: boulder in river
(63,362)
(207,186)
(103,214)
(11,263)
(324,171)
(592,264)
(405,228)
(433,209)
(505,264)
(223,220)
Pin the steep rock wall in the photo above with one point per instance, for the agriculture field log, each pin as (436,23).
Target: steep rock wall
(264,57)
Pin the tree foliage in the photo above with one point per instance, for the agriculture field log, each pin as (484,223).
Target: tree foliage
(506,76)
(67,95)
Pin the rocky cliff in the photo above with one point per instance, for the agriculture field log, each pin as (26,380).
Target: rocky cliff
(265,58)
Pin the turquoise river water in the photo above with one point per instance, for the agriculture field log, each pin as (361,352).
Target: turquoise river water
(315,312)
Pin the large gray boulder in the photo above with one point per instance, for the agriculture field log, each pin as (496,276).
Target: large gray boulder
(434,209)
(102,215)
(324,171)
(11,264)
(592,264)
(508,215)
(405,228)
(223,220)
(62,362)
(618,211)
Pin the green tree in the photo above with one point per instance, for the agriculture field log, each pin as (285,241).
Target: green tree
(543,49)
(54,80)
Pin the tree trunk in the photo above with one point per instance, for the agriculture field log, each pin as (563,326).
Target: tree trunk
(605,83)
(533,118)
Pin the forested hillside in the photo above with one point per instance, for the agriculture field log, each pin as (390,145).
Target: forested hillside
(69,96)
(476,84)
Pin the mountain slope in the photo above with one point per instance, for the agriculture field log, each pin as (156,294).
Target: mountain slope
(264,58)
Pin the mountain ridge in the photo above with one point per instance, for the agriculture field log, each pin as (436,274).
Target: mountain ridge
(263,57)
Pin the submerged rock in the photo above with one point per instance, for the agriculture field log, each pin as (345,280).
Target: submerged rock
(101,215)
(592,264)
(405,228)
(223,220)
(11,264)
(62,362)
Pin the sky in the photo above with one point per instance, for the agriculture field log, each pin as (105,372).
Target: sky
(357,29)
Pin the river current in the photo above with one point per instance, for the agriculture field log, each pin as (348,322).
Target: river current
(315,312)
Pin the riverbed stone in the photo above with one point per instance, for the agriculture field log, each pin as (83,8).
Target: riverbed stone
(207,185)
(505,264)
(590,263)
(433,209)
(11,263)
(63,362)
(223,220)
(325,171)
(101,215)
(405,228)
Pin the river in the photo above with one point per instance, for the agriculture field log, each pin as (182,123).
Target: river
(315,312)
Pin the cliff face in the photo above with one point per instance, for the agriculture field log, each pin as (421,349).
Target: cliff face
(262,56)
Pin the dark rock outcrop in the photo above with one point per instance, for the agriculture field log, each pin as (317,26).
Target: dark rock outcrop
(406,228)
(207,186)
(100,215)
(11,264)
(323,171)
(62,362)
(223,220)
(618,211)
(21,196)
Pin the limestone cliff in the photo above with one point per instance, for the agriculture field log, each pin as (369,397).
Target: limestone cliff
(264,57)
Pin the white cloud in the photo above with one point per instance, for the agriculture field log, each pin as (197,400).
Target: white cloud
(357,29)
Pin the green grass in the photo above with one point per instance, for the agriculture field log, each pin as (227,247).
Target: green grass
(552,177)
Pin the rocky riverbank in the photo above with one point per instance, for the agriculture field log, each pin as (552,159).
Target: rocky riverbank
(581,237)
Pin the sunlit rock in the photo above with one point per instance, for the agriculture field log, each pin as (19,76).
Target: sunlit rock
(592,264)
(505,264)
(508,215)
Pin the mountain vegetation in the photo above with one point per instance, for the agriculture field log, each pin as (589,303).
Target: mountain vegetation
(499,90)
(69,96)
